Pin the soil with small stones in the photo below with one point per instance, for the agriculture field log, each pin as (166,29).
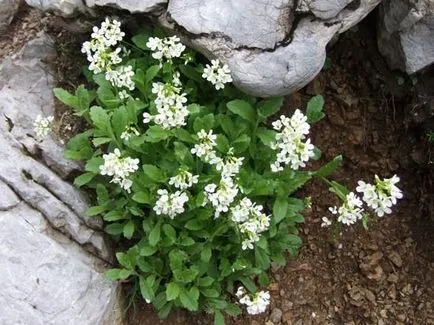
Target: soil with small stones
(378,121)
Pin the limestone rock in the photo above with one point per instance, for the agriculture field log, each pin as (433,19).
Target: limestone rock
(51,256)
(133,6)
(64,8)
(8,8)
(406,34)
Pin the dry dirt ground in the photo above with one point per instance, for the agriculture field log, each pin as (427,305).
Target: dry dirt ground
(378,121)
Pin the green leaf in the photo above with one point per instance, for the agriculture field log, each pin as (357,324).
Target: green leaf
(266,136)
(183,135)
(154,173)
(140,40)
(330,167)
(205,281)
(99,117)
(154,236)
(219,318)
(194,224)
(280,208)
(66,98)
(117,274)
(270,106)
(142,197)
(190,298)
(172,291)
(129,229)
(93,165)
(243,109)
(249,284)
(204,123)
(119,120)
(114,229)
(107,97)
(95,210)
(183,154)
(205,254)
(314,111)
(99,141)
(114,216)
(146,287)
(102,194)
(340,190)
(226,124)
(165,310)
(241,144)
(156,134)
(83,98)
(169,231)
(83,179)
(222,143)
(233,310)
(147,250)
(151,73)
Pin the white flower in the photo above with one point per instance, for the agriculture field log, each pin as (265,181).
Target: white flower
(256,303)
(216,74)
(170,104)
(251,221)
(221,196)
(381,196)
(326,222)
(42,126)
(350,211)
(99,49)
(168,47)
(292,149)
(228,166)
(119,168)
(129,132)
(170,204)
(205,148)
(121,77)
(184,180)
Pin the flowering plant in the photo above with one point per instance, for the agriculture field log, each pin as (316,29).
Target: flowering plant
(187,171)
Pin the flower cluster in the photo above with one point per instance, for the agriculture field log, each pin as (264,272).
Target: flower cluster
(170,204)
(184,180)
(350,211)
(216,74)
(381,196)
(119,168)
(170,104)
(222,195)
(121,77)
(229,165)
(251,221)
(99,49)
(129,132)
(205,148)
(42,126)
(293,150)
(256,303)
(168,47)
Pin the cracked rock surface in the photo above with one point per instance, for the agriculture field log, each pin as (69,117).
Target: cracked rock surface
(51,258)
(406,34)
(8,8)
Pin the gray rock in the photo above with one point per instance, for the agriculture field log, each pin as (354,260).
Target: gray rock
(284,58)
(51,256)
(133,6)
(406,34)
(324,9)
(8,8)
(276,315)
(66,8)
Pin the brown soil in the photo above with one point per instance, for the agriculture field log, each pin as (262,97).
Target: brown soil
(348,276)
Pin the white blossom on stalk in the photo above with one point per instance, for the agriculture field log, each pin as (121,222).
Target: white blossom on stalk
(119,168)
(168,47)
(350,211)
(184,180)
(251,221)
(170,104)
(170,204)
(129,132)
(326,222)
(222,195)
(121,77)
(99,49)
(256,303)
(42,126)
(205,148)
(292,149)
(216,74)
(381,196)
(229,165)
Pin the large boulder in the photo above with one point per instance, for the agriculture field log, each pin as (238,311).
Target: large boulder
(406,33)
(52,258)
(272,47)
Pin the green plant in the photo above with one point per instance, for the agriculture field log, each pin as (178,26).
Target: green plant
(188,174)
